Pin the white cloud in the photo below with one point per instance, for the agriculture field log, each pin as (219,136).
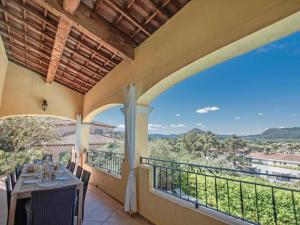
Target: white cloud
(237,118)
(121,126)
(281,127)
(294,114)
(178,114)
(177,125)
(266,128)
(208,109)
(154,126)
(260,114)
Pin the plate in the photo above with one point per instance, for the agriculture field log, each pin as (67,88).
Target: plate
(62,178)
(31,181)
(48,184)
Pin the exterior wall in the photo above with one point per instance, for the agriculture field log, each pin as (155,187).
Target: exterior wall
(163,210)
(187,44)
(56,150)
(25,90)
(3,67)
(112,185)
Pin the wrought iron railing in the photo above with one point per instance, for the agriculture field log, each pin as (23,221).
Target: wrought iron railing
(110,161)
(257,198)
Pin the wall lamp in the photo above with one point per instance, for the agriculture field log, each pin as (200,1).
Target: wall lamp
(44,105)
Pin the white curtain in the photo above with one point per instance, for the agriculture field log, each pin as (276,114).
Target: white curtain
(130,117)
(77,138)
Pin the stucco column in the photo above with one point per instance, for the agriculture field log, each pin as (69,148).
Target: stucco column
(141,141)
(84,138)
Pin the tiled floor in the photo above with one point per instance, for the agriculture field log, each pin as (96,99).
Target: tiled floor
(100,209)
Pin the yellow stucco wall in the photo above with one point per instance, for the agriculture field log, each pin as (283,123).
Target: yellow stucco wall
(114,186)
(24,91)
(163,210)
(3,67)
(199,29)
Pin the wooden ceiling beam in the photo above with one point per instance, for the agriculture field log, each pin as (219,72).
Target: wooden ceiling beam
(62,33)
(83,70)
(93,26)
(27,38)
(125,14)
(96,50)
(84,58)
(34,29)
(28,61)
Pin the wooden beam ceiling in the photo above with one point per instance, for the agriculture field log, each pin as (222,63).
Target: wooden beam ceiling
(62,33)
(78,42)
(86,21)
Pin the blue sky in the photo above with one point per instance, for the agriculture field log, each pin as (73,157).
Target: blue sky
(244,95)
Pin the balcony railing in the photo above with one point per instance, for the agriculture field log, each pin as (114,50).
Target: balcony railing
(257,198)
(110,161)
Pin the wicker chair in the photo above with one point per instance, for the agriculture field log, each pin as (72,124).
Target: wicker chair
(72,167)
(20,214)
(85,178)
(78,171)
(68,165)
(12,179)
(53,207)
(8,192)
(18,171)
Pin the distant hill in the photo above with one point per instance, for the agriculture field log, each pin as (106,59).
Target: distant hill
(281,133)
(162,136)
(272,133)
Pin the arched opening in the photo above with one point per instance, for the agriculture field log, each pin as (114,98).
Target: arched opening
(107,139)
(230,124)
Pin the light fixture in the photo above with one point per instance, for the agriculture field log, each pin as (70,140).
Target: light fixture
(44,105)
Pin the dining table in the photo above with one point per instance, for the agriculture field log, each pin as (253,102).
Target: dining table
(29,182)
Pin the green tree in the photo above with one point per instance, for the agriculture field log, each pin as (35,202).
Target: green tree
(232,145)
(209,143)
(20,133)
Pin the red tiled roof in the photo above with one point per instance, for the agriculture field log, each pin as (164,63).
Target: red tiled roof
(94,139)
(276,156)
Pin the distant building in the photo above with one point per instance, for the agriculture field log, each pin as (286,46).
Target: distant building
(286,159)
(100,134)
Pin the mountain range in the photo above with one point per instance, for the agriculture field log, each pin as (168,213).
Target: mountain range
(269,134)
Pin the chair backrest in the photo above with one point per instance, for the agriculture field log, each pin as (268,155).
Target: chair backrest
(85,178)
(12,179)
(8,191)
(72,167)
(69,164)
(54,206)
(47,157)
(18,171)
(79,171)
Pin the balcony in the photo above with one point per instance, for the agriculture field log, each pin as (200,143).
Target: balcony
(94,55)
(230,195)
